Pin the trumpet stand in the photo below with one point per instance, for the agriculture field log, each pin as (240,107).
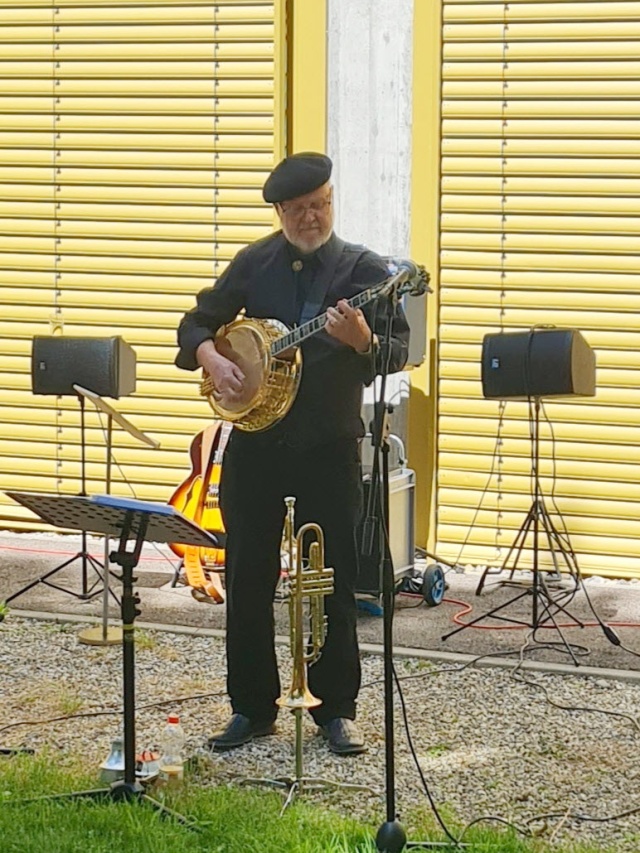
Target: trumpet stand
(312,582)
(298,784)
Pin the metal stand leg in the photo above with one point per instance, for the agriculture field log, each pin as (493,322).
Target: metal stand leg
(297,785)
(87,560)
(16,751)
(87,593)
(105,635)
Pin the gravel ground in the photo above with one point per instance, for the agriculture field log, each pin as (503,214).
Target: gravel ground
(487,743)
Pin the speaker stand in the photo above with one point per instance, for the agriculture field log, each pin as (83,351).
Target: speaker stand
(546,603)
(87,561)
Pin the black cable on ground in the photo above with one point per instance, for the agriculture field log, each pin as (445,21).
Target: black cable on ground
(108,711)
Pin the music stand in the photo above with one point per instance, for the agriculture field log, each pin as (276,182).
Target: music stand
(125,519)
(105,635)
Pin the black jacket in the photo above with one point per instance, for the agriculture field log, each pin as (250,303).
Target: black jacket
(261,280)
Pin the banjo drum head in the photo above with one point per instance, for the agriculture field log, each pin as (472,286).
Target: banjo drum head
(244,344)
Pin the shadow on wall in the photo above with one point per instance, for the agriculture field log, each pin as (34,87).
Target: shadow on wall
(422,444)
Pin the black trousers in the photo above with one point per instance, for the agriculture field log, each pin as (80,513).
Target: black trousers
(327,484)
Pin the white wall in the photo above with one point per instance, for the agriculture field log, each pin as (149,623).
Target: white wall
(369,109)
(369,52)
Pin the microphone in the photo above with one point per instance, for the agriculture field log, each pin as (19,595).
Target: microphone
(405,270)
(404,265)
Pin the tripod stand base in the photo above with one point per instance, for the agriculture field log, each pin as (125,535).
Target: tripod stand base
(551,579)
(87,593)
(98,637)
(120,791)
(295,787)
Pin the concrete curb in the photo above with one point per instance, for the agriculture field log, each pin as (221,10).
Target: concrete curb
(626,675)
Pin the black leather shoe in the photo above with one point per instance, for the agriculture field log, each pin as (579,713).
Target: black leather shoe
(343,736)
(239,730)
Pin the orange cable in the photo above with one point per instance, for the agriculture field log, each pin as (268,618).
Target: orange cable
(66,553)
(467,608)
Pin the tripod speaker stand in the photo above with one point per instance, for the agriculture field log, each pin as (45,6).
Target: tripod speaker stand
(63,366)
(124,519)
(531,365)
(87,560)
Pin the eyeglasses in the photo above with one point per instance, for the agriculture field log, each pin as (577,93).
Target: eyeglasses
(299,210)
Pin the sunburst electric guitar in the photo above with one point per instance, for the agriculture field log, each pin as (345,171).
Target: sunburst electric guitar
(198,499)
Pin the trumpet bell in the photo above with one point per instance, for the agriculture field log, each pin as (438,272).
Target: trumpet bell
(295,699)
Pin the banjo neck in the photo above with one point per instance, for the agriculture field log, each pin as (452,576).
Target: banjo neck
(301,333)
(272,382)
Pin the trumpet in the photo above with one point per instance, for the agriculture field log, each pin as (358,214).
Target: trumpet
(312,581)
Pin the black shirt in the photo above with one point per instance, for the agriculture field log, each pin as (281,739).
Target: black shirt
(264,279)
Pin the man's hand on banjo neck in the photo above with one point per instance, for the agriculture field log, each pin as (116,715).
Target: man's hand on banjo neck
(228,379)
(344,323)
(349,326)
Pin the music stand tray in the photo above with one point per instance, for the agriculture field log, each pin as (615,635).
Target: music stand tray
(124,519)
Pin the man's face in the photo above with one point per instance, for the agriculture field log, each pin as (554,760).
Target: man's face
(307,221)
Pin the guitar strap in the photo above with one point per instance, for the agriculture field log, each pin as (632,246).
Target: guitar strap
(320,284)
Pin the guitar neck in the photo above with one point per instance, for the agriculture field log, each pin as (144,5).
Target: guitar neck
(301,333)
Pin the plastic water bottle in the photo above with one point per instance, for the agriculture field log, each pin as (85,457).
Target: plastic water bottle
(171,768)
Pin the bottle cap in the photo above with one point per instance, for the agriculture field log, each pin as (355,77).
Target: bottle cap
(173,718)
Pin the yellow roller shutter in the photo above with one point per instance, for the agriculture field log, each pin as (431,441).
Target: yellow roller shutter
(540,225)
(134,141)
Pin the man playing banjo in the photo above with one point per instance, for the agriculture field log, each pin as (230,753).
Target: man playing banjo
(312,452)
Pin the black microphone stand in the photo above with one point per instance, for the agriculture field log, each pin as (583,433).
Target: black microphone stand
(391,836)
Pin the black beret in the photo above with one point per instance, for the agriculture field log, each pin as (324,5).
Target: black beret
(297,175)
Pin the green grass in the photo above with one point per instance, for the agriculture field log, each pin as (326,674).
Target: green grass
(231,820)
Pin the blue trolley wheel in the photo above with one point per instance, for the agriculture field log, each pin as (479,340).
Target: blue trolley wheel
(433,586)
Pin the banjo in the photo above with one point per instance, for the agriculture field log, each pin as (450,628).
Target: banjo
(268,353)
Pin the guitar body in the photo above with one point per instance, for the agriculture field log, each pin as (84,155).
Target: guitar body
(187,503)
(198,499)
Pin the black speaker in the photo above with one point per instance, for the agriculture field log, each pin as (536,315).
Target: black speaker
(106,366)
(537,363)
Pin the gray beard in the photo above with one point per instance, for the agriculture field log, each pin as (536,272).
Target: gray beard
(309,251)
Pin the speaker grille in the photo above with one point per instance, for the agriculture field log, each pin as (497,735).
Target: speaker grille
(537,363)
(106,366)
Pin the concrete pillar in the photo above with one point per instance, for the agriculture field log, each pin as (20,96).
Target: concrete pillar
(369,94)
(369,111)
